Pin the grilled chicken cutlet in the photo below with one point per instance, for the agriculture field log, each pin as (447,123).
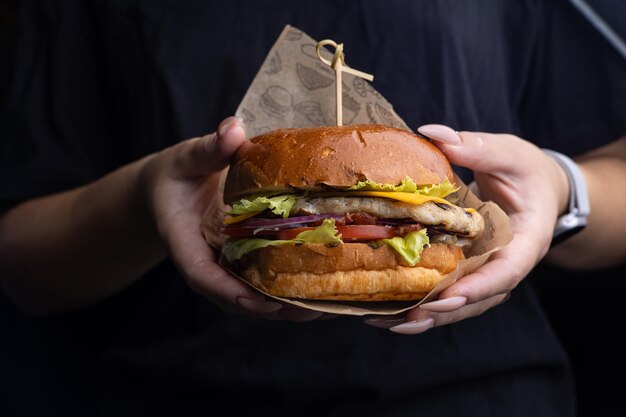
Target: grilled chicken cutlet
(451,218)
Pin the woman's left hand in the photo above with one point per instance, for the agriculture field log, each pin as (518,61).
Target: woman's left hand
(529,186)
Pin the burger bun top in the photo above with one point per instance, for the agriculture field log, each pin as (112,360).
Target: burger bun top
(317,158)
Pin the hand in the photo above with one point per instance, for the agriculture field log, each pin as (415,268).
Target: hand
(529,186)
(180,181)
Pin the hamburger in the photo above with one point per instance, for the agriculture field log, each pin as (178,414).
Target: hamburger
(359,213)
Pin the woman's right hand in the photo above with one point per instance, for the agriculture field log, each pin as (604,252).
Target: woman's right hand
(180,181)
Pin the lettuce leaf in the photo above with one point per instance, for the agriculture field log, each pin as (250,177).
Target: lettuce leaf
(410,246)
(325,233)
(280,205)
(236,248)
(408,186)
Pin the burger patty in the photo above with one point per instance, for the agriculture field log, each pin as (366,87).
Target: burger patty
(448,217)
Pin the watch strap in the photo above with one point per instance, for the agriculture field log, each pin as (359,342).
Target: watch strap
(576,218)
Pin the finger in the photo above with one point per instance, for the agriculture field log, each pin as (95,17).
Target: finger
(211,153)
(498,276)
(501,274)
(443,304)
(418,321)
(196,261)
(479,151)
(385,322)
(231,134)
(468,310)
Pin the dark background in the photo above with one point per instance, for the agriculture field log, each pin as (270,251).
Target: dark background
(587,309)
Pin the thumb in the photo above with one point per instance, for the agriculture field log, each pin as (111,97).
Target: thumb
(211,153)
(479,151)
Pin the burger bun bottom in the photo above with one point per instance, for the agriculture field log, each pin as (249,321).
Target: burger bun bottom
(367,274)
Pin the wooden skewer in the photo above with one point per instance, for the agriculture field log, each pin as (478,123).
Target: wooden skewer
(338,63)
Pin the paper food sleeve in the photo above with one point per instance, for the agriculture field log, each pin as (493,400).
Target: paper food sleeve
(293,88)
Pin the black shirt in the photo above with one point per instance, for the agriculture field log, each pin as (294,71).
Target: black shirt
(99,84)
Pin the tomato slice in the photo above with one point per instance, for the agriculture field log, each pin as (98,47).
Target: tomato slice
(366,232)
(348,233)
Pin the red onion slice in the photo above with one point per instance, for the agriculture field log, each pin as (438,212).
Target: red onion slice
(256,223)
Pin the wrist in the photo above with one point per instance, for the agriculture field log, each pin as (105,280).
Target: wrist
(144,176)
(562,187)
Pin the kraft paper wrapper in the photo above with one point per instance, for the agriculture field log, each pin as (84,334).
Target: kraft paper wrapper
(293,88)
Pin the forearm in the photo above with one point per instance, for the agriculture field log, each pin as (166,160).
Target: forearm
(601,244)
(69,249)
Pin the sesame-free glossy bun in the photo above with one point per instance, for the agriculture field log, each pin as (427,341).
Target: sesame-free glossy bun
(332,156)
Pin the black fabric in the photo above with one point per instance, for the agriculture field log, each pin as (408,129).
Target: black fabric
(99,84)
(586,307)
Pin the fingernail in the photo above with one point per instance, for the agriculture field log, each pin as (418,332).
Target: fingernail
(414,327)
(258,306)
(445,305)
(227,123)
(383,323)
(440,133)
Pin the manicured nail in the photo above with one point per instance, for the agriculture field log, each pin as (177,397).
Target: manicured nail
(384,323)
(258,306)
(445,305)
(227,123)
(440,133)
(414,327)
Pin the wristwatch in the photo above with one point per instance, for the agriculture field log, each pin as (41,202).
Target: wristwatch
(575,220)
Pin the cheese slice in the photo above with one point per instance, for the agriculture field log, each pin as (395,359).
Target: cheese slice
(411,198)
